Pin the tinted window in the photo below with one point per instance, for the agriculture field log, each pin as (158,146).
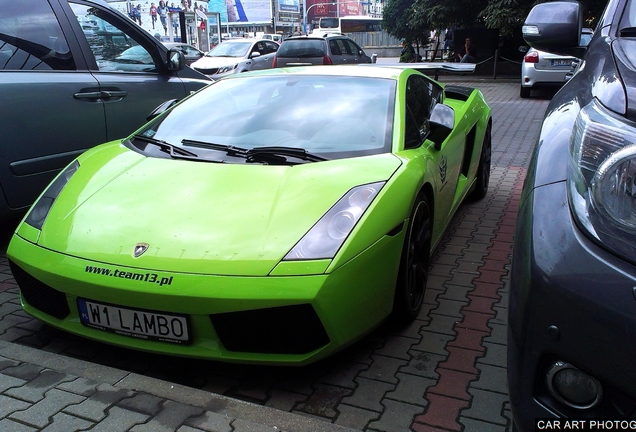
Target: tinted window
(31,38)
(421,97)
(302,48)
(334,116)
(352,47)
(113,48)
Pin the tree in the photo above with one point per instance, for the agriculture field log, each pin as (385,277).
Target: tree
(396,20)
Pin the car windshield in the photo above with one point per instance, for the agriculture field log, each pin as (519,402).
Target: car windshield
(332,117)
(233,49)
(302,48)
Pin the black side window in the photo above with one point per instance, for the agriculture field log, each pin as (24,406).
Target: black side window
(335,49)
(421,97)
(31,38)
(115,50)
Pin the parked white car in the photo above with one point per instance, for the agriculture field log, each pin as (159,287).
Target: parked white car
(236,56)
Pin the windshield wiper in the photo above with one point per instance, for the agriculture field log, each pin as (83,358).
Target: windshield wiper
(174,151)
(272,154)
(294,152)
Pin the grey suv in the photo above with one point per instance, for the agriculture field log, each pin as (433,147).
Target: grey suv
(315,50)
(74,74)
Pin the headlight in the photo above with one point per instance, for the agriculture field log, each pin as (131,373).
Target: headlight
(325,238)
(602,178)
(224,69)
(40,209)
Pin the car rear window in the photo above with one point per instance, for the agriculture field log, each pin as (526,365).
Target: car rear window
(302,48)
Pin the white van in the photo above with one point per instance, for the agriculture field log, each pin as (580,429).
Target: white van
(275,37)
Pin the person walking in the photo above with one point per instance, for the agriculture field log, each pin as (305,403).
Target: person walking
(153,14)
(162,11)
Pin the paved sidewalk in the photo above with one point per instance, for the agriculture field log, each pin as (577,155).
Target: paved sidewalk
(445,372)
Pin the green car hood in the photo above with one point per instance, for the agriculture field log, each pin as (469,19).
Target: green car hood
(197,217)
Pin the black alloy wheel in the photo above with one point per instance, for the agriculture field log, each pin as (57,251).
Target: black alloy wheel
(483,171)
(411,282)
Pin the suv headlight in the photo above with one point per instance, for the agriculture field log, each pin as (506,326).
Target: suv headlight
(602,178)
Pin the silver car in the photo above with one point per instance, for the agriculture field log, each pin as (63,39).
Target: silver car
(331,49)
(235,56)
(544,69)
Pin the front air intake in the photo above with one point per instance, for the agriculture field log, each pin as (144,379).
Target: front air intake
(40,295)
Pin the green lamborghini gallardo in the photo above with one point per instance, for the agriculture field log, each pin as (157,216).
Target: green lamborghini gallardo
(272,217)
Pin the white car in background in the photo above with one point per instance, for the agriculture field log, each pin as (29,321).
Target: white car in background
(544,69)
(236,56)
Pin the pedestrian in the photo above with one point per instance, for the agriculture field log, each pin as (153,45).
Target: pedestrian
(448,38)
(153,14)
(468,54)
(162,11)
(137,14)
(408,53)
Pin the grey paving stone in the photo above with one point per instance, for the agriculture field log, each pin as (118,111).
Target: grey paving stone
(35,389)
(456,292)
(423,364)
(397,346)
(80,386)
(480,426)
(65,423)
(369,394)
(495,355)
(119,420)
(491,378)
(241,425)
(383,369)
(498,334)
(172,415)
(342,375)
(451,308)
(486,406)
(7,382)
(441,324)
(143,403)
(434,343)
(210,422)
(95,406)
(354,417)
(13,426)
(284,400)
(9,405)
(23,371)
(323,401)
(397,416)
(410,390)
(38,415)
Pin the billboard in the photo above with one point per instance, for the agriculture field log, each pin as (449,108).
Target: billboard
(325,8)
(247,11)
(289,6)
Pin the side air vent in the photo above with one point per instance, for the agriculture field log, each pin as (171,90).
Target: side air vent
(40,295)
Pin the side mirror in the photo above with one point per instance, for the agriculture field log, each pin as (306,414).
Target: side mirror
(255,54)
(555,27)
(176,60)
(441,122)
(162,108)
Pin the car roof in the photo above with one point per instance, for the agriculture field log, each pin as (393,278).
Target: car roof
(372,71)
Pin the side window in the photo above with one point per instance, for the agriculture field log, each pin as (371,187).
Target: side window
(353,48)
(31,38)
(334,48)
(421,97)
(271,47)
(113,48)
(342,46)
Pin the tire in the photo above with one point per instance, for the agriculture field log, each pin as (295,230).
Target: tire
(483,171)
(524,92)
(413,272)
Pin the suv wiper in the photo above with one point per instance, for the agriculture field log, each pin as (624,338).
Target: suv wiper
(628,32)
(174,151)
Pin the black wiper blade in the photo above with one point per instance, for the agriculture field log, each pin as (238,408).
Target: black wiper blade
(628,32)
(229,149)
(295,152)
(174,151)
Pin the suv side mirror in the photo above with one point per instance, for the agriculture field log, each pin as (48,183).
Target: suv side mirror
(555,27)
(176,60)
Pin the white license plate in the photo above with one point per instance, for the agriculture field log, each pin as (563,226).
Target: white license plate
(134,322)
(561,62)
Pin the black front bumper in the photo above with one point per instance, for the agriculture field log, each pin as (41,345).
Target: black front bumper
(570,300)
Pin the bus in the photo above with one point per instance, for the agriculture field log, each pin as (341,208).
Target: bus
(348,24)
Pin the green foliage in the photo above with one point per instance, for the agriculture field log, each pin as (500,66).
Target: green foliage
(412,19)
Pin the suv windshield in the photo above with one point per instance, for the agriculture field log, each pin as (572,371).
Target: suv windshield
(330,116)
(302,48)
